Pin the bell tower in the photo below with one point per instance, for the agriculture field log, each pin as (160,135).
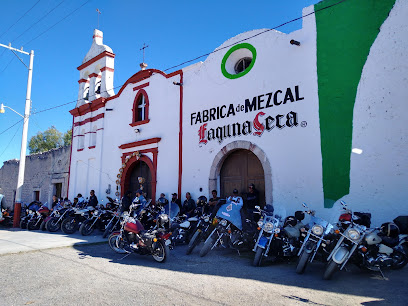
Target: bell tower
(96,72)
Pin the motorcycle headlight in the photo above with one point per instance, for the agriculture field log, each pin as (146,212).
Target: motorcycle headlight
(83,214)
(207,219)
(268,227)
(260,223)
(277,230)
(353,234)
(96,213)
(317,230)
(223,222)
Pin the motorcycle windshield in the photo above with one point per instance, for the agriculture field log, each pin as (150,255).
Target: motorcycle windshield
(231,212)
(326,225)
(172,210)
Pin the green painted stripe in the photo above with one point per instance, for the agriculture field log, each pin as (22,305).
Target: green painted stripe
(345,34)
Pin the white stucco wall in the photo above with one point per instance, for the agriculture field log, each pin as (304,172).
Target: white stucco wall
(379,176)
(293,153)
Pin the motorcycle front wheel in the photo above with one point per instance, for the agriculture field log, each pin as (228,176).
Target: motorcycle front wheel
(32,225)
(52,225)
(302,262)
(208,244)
(42,225)
(86,228)
(258,257)
(114,243)
(108,230)
(161,252)
(195,240)
(69,225)
(332,267)
(23,224)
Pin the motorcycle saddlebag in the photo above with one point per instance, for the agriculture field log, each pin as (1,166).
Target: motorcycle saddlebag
(364,219)
(402,223)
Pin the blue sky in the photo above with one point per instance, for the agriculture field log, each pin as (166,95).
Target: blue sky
(60,33)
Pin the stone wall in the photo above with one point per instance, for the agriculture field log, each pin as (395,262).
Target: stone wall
(43,171)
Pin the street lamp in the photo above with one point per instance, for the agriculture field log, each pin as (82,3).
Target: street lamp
(21,167)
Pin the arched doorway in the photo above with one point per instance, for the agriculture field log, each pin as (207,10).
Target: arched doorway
(239,169)
(140,169)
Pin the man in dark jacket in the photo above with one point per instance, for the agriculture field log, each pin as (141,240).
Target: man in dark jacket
(126,201)
(188,206)
(93,200)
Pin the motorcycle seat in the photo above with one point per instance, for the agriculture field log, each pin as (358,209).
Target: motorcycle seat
(390,242)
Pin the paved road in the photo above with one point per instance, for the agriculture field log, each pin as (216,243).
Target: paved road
(95,275)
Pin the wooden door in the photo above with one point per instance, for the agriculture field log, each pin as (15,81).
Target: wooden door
(240,169)
(141,169)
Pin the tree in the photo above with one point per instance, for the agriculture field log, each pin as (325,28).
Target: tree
(47,140)
(67,138)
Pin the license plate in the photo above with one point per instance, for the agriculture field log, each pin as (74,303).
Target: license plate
(262,242)
(168,242)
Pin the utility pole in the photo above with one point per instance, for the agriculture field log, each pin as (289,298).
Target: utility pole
(21,168)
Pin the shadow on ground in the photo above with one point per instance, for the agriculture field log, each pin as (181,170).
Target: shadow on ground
(227,263)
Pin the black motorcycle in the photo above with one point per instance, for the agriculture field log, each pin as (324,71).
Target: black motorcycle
(29,212)
(76,216)
(99,219)
(275,241)
(229,231)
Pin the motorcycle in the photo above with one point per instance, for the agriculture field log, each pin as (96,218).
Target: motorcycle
(185,228)
(228,231)
(99,219)
(29,213)
(275,241)
(114,222)
(315,241)
(203,227)
(76,216)
(37,221)
(372,249)
(51,222)
(132,238)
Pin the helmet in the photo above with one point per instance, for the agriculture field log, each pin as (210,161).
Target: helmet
(390,229)
(201,201)
(290,221)
(345,220)
(299,215)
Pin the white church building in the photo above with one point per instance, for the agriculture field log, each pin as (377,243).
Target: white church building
(316,116)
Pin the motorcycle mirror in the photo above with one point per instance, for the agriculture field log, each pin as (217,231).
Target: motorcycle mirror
(304,205)
(257,207)
(343,203)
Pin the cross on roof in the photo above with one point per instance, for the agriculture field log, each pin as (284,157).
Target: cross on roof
(99,12)
(143,48)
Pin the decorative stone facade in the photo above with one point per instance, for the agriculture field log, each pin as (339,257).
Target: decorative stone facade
(45,174)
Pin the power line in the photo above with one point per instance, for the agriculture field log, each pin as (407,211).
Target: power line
(35,23)
(20,18)
(11,139)
(260,33)
(57,22)
(11,126)
(7,65)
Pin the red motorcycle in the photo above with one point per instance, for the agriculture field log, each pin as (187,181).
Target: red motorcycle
(132,238)
(38,220)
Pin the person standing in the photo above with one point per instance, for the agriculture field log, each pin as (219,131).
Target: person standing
(54,201)
(126,201)
(175,200)
(188,206)
(252,201)
(93,200)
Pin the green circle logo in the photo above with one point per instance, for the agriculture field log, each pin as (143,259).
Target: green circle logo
(227,56)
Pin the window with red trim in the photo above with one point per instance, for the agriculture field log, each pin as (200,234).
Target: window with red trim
(140,108)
